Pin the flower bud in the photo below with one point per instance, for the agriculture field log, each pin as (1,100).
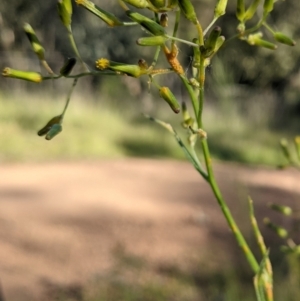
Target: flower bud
(130,70)
(55,120)
(251,10)
(220,8)
(268,6)
(108,18)
(169,97)
(188,10)
(210,43)
(280,231)
(254,39)
(150,25)
(152,41)
(138,3)
(240,10)
(187,120)
(34,41)
(25,75)
(68,66)
(163,21)
(158,3)
(285,210)
(65,11)
(54,130)
(281,38)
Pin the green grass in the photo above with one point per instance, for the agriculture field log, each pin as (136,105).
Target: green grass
(103,130)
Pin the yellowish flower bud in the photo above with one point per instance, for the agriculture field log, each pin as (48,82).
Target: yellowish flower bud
(25,75)
(188,10)
(251,10)
(169,97)
(240,10)
(268,6)
(220,8)
(34,41)
(130,70)
(138,3)
(108,18)
(65,11)
(255,39)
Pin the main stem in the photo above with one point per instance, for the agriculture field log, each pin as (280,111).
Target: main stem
(213,184)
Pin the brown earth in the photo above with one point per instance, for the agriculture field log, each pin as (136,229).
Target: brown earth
(64,222)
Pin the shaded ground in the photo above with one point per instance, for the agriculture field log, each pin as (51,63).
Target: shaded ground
(64,223)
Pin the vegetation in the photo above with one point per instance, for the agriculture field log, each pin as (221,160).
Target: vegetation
(205,43)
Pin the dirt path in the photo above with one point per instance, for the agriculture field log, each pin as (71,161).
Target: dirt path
(63,222)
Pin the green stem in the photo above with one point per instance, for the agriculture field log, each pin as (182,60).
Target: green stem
(201,92)
(230,220)
(69,97)
(177,18)
(182,41)
(74,46)
(210,25)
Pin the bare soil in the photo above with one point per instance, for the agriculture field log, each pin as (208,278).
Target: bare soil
(64,222)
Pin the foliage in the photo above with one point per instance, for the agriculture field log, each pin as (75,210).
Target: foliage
(252,19)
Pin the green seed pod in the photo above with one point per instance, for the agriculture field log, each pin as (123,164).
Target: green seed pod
(34,41)
(108,18)
(285,210)
(268,6)
(286,150)
(24,75)
(55,120)
(54,130)
(64,8)
(150,25)
(169,97)
(163,21)
(188,10)
(251,10)
(220,8)
(280,231)
(152,41)
(297,145)
(281,38)
(254,39)
(68,66)
(240,10)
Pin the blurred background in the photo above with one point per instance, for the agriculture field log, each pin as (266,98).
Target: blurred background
(252,101)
